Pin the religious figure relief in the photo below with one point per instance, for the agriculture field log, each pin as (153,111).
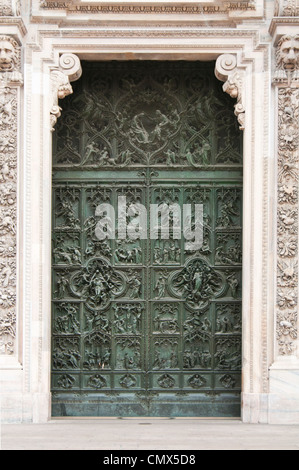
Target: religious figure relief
(197,355)
(67,209)
(197,283)
(66,319)
(66,354)
(228,381)
(66,249)
(166,318)
(197,327)
(166,381)
(228,319)
(167,252)
(228,249)
(97,381)
(197,381)
(228,353)
(165,354)
(97,351)
(128,252)
(128,354)
(134,282)
(233,284)
(127,318)
(160,287)
(128,381)
(97,283)
(228,208)
(66,381)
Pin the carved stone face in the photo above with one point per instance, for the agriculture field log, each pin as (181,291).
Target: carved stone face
(7,56)
(288,53)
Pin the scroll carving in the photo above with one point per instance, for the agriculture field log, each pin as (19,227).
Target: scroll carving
(69,70)
(286,77)
(10,80)
(227,71)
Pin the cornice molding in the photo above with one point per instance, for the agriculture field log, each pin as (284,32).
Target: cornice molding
(286,14)
(142,7)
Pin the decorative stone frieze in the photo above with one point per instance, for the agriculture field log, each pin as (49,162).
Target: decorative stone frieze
(286,78)
(210,7)
(69,70)
(10,82)
(227,71)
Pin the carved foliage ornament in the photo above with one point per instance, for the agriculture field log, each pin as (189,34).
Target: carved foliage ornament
(286,76)
(10,79)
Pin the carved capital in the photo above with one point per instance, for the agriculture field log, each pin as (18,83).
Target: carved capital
(287,8)
(227,71)
(10,7)
(69,70)
(287,60)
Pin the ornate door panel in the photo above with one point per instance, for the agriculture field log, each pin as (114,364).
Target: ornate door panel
(146,327)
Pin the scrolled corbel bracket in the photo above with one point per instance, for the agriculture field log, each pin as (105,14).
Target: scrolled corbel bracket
(227,71)
(69,70)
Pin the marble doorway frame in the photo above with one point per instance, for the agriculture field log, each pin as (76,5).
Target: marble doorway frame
(251,76)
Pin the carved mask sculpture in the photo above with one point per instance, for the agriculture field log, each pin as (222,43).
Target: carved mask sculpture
(288,53)
(7,55)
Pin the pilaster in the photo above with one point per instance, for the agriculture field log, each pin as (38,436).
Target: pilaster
(284,372)
(11,83)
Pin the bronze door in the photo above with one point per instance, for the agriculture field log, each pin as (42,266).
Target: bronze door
(146,327)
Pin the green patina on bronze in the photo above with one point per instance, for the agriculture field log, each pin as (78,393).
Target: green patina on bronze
(144,327)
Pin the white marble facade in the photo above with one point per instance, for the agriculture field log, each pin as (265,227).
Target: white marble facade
(255,44)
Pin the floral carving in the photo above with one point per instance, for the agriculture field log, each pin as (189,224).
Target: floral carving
(10,79)
(286,76)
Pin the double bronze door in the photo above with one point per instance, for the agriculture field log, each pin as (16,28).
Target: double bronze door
(146,326)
